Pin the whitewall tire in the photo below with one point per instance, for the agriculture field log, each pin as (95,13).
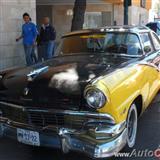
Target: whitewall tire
(132,126)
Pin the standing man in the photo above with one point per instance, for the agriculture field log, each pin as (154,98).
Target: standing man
(47,38)
(29,35)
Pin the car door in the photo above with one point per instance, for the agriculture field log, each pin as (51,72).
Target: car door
(151,46)
(156,60)
(156,43)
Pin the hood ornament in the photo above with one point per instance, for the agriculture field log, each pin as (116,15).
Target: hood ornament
(26,91)
(33,74)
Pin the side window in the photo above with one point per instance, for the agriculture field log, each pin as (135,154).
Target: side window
(156,41)
(147,45)
(158,29)
(133,45)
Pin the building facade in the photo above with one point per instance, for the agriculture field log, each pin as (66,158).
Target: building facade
(98,13)
(11,11)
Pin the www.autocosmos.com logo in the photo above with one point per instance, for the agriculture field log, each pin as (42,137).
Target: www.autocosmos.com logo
(140,153)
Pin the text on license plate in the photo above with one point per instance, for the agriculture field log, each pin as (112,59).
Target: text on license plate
(28,137)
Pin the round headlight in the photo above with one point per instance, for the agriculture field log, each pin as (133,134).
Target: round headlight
(95,98)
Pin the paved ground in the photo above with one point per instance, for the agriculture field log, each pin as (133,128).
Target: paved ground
(148,138)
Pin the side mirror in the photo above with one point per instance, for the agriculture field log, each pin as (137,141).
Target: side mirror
(147,49)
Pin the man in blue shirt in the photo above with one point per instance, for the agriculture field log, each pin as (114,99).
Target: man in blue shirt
(29,35)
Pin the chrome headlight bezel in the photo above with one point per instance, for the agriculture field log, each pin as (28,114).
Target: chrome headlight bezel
(95,98)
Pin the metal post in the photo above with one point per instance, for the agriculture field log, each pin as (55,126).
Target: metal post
(125,12)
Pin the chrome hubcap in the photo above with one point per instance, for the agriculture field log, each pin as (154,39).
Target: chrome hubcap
(132,126)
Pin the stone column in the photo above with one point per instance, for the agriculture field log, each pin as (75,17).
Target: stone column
(11,11)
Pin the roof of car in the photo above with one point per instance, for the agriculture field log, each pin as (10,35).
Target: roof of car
(124,28)
(154,22)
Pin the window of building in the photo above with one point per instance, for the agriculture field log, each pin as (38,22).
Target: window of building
(143,3)
(97,19)
(92,20)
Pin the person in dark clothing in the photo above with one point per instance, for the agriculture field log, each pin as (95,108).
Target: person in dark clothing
(47,38)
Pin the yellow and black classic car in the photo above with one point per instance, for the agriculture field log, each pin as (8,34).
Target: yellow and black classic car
(89,96)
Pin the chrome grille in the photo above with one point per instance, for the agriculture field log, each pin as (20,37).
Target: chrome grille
(44,119)
(15,115)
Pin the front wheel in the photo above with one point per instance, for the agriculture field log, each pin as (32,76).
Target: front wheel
(131,126)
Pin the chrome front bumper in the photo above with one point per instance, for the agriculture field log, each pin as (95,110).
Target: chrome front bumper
(73,140)
(99,136)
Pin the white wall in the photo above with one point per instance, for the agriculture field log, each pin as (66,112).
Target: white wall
(119,14)
(11,11)
(138,15)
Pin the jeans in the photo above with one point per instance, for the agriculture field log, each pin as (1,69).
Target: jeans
(33,55)
(48,49)
(40,53)
(28,54)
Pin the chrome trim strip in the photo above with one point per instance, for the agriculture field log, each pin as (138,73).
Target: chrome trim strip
(133,56)
(77,113)
(150,65)
(12,105)
(113,130)
(123,54)
(37,71)
(33,74)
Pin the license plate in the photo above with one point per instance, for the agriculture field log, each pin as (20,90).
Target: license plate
(28,137)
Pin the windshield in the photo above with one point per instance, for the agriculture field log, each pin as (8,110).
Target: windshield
(118,43)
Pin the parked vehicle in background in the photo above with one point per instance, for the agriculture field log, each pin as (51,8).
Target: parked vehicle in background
(155,26)
(89,97)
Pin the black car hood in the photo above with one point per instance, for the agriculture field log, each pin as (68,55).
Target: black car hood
(62,77)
